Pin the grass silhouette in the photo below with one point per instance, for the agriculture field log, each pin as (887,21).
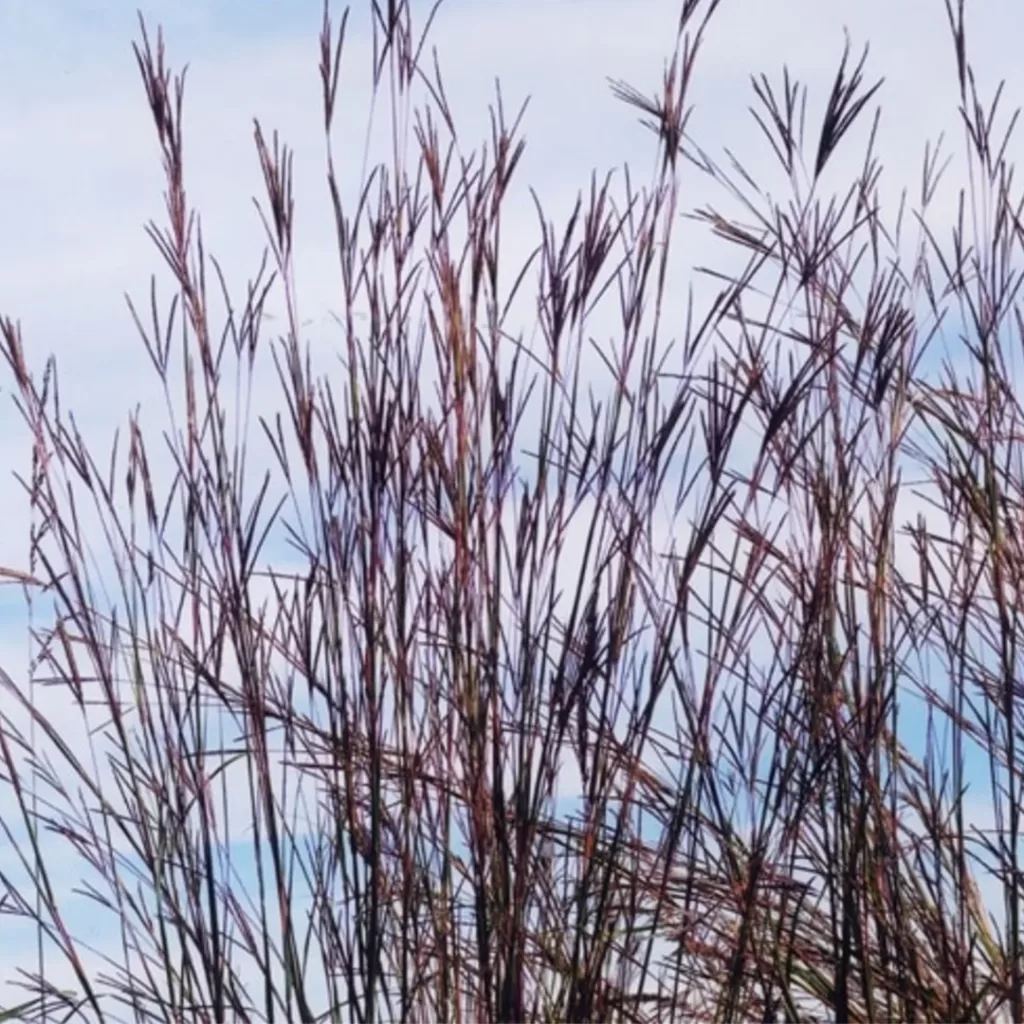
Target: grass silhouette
(623,703)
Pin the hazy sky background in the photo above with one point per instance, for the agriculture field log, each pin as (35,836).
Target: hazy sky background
(80,173)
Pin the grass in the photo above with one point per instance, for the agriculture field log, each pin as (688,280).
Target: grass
(635,701)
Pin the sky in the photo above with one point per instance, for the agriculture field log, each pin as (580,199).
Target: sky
(80,174)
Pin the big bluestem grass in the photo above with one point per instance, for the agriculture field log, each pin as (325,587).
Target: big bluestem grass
(636,702)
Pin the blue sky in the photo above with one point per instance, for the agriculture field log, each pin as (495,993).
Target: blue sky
(80,175)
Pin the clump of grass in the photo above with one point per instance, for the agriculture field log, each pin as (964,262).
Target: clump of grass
(631,700)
